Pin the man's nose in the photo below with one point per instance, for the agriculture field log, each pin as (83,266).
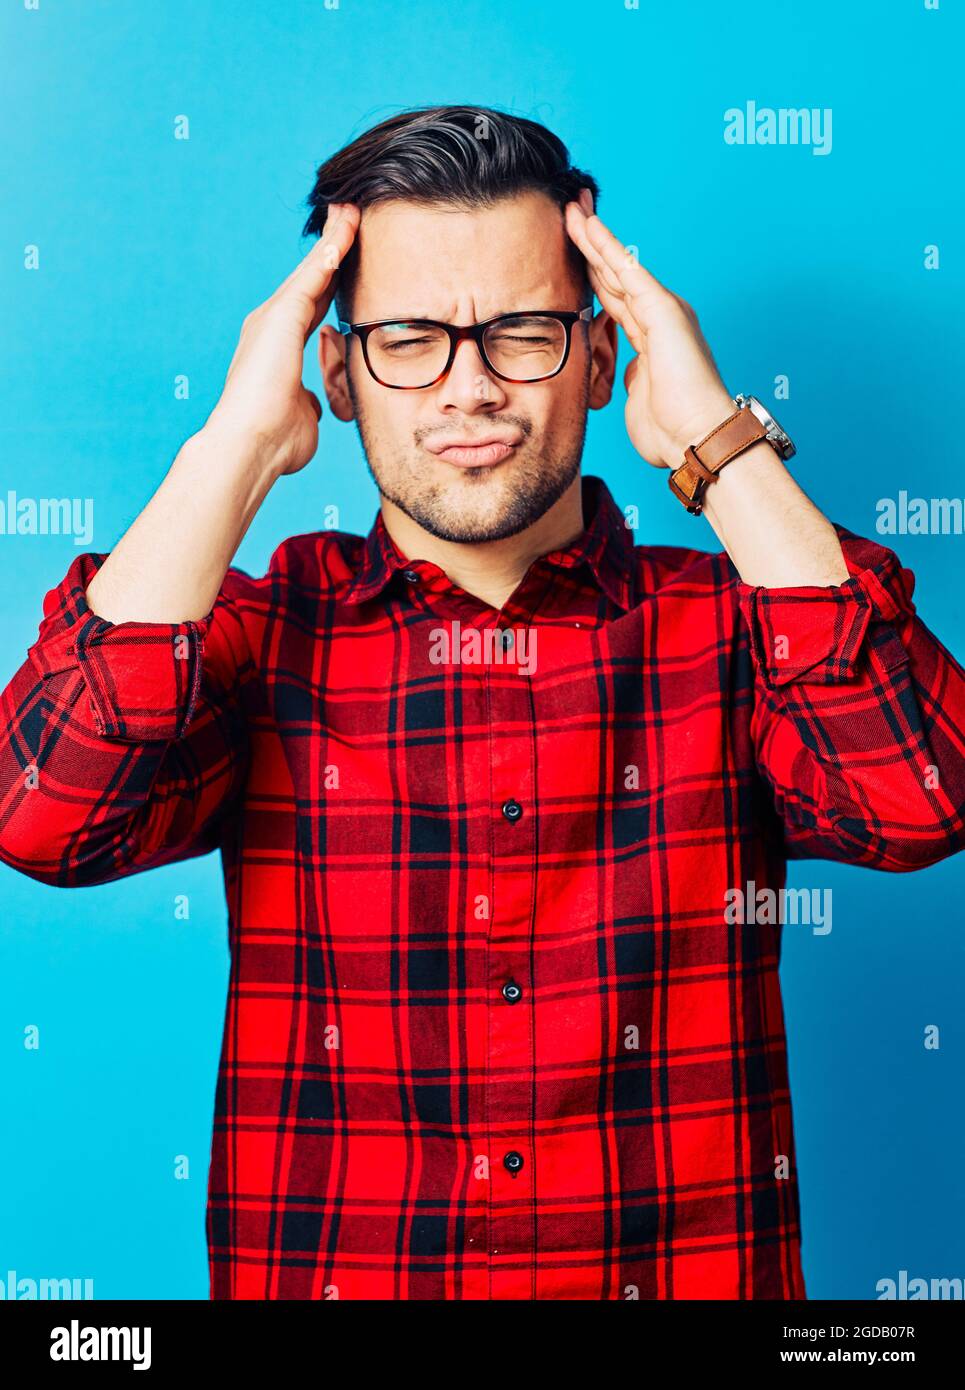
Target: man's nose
(470,385)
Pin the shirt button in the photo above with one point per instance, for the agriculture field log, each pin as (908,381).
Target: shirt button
(512,1162)
(512,811)
(506,638)
(512,992)
(411,576)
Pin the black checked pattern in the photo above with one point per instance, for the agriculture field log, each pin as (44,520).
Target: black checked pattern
(490,1032)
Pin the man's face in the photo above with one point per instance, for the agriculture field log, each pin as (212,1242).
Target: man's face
(462,267)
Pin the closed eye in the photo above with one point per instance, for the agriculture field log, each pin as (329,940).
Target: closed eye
(400,344)
(533,339)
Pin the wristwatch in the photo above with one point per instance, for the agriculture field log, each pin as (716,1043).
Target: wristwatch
(703,461)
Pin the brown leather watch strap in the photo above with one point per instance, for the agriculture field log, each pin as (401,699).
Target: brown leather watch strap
(703,461)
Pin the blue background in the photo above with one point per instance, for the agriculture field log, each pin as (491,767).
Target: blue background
(152,251)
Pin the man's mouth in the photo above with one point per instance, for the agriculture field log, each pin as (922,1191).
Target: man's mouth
(481,452)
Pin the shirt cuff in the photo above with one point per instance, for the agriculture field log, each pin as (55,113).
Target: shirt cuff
(141,680)
(818,635)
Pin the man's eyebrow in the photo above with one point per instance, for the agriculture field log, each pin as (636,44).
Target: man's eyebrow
(393,318)
(389,319)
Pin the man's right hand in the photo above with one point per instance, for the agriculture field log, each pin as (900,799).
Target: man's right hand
(169,565)
(264,401)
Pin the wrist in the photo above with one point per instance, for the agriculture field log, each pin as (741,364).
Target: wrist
(223,474)
(238,446)
(740,481)
(712,411)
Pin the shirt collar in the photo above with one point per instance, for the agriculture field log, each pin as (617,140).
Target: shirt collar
(605,547)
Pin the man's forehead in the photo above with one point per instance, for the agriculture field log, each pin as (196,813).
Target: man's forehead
(512,249)
(518,211)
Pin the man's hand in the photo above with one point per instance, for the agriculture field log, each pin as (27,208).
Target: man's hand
(264,401)
(675,394)
(169,565)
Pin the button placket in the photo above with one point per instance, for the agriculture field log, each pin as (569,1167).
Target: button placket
(511,1039)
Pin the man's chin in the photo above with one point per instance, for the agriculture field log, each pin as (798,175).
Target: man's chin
(470,533)
(466,524)
(481,505)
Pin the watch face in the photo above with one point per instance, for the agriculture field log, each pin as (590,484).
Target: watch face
(775,434)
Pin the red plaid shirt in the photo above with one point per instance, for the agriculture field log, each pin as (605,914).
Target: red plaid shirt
(491,1031)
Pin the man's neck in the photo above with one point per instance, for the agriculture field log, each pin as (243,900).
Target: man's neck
(490,570)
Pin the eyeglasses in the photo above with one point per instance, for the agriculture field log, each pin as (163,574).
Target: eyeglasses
(411,354)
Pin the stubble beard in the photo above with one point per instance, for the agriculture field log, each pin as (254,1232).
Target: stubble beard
(514,495)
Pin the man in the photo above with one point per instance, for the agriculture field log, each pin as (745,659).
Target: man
(486,782)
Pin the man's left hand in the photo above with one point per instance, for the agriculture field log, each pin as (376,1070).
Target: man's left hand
(675,395)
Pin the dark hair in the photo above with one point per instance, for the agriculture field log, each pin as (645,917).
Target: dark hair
(468,156)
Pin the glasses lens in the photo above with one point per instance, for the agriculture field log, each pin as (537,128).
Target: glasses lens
(407,354)
(526,346)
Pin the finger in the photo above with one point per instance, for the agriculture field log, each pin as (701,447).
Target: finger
(606,282)
(644,291)
(336,215)
(330,220)
(313,275)
(616,306)
(638,314)
(315,272)
(321,308)
(576,226)
(314,402)
(619,270)
(313,287)
(688,309)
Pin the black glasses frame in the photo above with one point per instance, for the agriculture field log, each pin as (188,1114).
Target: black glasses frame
(475,331)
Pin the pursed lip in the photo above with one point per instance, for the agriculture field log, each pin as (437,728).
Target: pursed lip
(475,451)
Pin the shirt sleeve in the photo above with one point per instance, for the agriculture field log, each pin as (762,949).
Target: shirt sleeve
(124,745)
(859,716)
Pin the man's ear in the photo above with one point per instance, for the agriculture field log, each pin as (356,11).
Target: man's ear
(332,348)
(603,350)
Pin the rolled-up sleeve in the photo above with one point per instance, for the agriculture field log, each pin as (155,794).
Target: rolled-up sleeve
(859,716)
(123,743)
(141,680)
